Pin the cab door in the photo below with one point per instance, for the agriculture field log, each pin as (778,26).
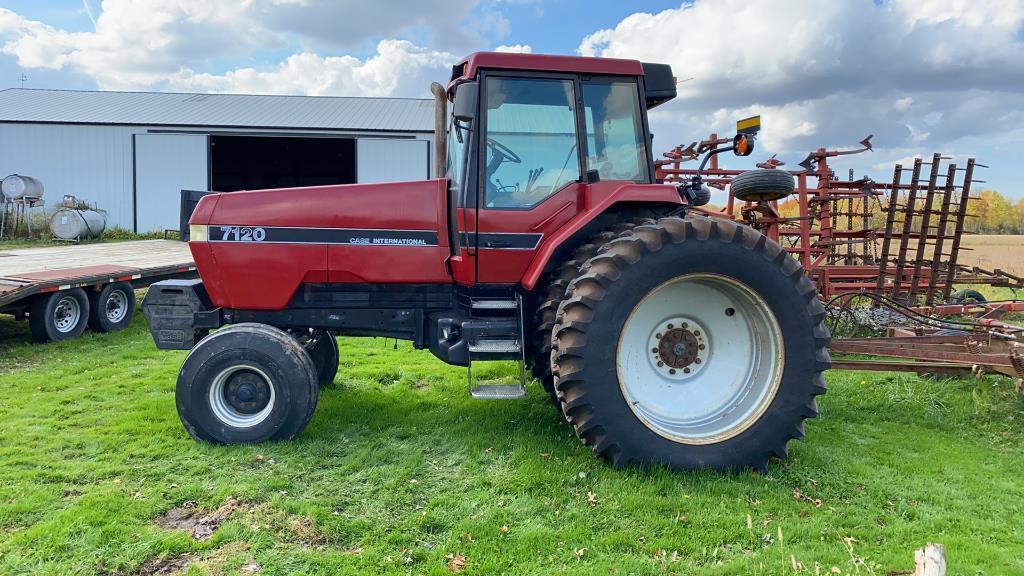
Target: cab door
(530,167)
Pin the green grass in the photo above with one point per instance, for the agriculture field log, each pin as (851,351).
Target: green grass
(400,468)
(42,240)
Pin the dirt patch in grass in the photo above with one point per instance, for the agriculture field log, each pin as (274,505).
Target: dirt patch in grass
(164,566)
(201,526)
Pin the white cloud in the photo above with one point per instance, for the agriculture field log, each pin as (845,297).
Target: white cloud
(828,73)
(515,48)
(155,44)
(398,67)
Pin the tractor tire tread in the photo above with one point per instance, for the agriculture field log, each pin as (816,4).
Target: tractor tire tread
(576,314)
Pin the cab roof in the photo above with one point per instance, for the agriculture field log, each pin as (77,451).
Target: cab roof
(467,69)
(658,81)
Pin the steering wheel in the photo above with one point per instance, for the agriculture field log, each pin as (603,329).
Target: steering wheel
(503,151)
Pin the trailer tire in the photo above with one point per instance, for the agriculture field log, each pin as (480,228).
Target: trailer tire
(723,413)
(762,185)
(112,308)
(246,383)
(59,315)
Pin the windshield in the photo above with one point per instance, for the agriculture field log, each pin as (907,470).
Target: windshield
(531,140)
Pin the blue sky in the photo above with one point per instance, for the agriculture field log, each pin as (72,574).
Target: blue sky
(922,75)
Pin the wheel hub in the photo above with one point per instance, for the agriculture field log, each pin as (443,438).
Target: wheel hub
(66,314)
(246,392)
(679,348)
(117,306)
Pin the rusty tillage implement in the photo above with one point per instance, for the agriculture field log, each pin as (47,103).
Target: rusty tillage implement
(888,251)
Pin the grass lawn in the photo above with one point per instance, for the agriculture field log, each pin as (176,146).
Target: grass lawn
(401,472)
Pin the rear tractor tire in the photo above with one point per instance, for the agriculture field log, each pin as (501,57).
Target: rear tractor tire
(556,285)
(693,343)
(246,383)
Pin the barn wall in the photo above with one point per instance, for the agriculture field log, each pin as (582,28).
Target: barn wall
(95,162)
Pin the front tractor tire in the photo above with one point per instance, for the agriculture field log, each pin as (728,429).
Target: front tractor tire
(690,342)
(247,383)
(323,350)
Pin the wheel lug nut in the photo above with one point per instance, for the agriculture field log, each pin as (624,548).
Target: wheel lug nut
(686,370)
(655,350)
(658,335)
(696,332)
(660,364)
(701,347)
(670,326)
(696,361)
(686,324)
(672,371)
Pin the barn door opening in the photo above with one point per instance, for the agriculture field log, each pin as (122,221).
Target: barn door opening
(263,162)
(166,164)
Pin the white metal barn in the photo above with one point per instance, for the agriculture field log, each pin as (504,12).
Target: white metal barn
(131,153)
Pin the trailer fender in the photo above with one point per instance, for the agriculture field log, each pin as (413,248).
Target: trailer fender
(598,199)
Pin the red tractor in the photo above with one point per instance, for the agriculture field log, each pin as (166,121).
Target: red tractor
(664,337)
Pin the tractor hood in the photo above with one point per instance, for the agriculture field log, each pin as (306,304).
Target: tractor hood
(254,249)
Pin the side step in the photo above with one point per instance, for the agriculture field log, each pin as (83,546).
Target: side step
(498,338)
(498,391)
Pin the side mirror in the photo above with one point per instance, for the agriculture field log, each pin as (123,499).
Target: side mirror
(743,145)
(465,101)
(746,130)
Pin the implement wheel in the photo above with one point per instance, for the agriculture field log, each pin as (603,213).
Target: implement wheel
(246,383)
(762,185)
(694,343)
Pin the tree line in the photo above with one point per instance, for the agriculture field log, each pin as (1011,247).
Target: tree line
(989,213)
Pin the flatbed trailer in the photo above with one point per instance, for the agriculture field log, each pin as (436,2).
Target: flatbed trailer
(61,290)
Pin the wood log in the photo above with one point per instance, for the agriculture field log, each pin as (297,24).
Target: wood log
(930,560)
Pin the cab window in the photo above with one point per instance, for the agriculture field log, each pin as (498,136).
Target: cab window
(616,146)
(458,139)
(531,150)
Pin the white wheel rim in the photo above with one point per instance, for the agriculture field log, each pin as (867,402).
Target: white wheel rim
(66,314)
(700,358)
(116,306)
(230,414)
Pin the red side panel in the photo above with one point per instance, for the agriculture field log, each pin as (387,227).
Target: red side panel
(508,239)
(596,199)
(263,244)
(411,206)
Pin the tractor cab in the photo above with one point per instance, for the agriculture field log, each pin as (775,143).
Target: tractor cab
(533,142)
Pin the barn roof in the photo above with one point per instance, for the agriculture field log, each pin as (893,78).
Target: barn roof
(221,110)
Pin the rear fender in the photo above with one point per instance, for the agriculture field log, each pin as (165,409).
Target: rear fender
(599,198)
